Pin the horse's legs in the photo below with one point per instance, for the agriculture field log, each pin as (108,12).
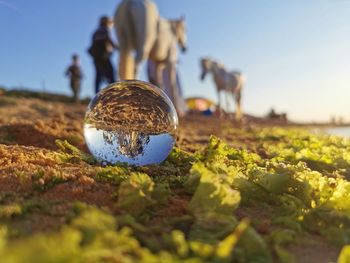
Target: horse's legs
(159,76)
(238,106)
(126,65)
(174,89)
(219,103)
(151,72)
(227,98)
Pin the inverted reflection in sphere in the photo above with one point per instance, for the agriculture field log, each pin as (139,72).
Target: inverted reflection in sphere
(130,121)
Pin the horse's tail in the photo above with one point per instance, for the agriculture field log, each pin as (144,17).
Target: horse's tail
(143,20)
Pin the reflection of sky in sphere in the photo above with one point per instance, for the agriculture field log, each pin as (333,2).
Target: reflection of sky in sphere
(153,151)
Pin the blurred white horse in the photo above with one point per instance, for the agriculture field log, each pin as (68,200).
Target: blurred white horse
(136,23)
(141,30)
(231,83)
(164,57)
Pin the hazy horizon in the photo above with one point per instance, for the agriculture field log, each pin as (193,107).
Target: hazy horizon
(296,54)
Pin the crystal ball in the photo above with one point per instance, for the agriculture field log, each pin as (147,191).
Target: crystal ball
(131,122)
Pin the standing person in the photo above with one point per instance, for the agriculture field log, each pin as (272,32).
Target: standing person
(75,75)
(101,50)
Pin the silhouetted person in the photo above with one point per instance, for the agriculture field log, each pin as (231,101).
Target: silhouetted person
(75,74)
(101,50)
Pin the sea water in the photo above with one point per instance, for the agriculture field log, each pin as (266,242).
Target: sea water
(339,131)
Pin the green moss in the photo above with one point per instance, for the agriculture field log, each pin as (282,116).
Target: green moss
(7,101)
(10,210)
(6,137)
(112,174)
(70,153)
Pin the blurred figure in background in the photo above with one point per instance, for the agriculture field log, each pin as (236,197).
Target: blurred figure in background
(101,51)
(273,115)
(75,75)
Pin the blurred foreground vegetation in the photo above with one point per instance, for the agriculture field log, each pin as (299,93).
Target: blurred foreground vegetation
(255,203)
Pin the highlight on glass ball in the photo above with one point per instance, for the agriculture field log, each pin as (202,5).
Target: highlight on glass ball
(131,122)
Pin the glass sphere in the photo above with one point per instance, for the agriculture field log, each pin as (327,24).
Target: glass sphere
(131,122)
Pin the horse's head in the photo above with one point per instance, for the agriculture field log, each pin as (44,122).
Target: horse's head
(206,65)
(179,28)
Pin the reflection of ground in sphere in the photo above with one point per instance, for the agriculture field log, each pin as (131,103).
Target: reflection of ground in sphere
(130,121)
(130,144)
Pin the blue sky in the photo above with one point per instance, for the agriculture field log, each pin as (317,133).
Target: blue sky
(295,53)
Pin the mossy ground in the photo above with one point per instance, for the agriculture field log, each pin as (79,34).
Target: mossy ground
(252,193)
